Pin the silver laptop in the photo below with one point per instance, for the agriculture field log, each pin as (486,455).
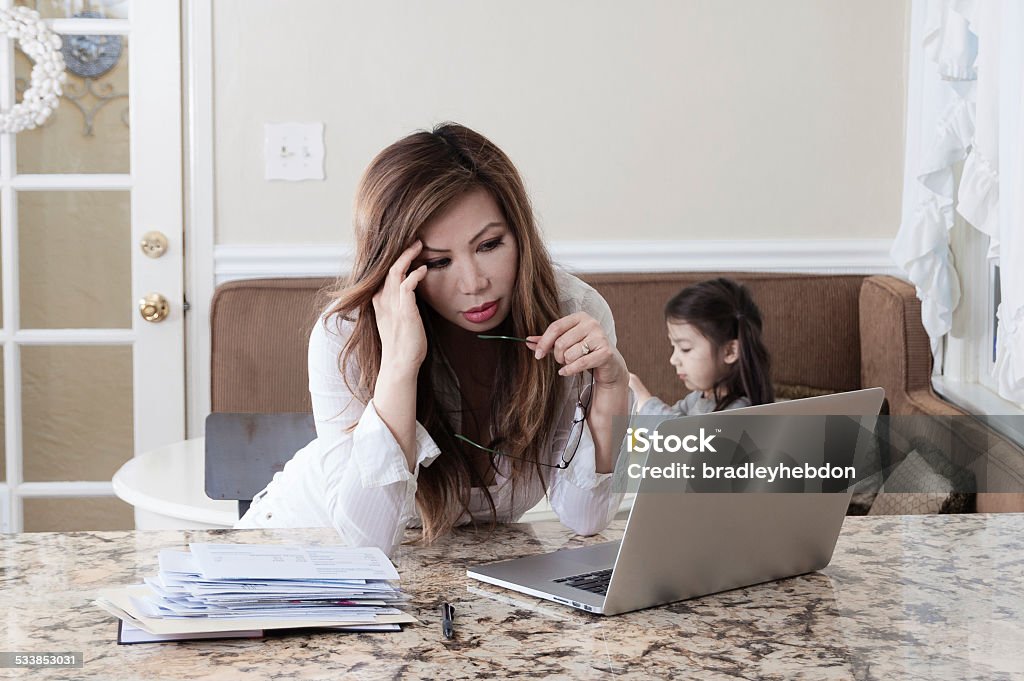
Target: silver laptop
(680,545)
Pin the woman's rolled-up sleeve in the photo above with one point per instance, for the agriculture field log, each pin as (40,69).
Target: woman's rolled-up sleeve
(368,488)
(583,498)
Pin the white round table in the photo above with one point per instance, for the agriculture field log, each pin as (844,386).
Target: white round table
(166,487)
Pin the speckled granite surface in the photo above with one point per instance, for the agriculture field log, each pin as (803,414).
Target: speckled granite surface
(931,597)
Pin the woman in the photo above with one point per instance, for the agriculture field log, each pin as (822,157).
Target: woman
(419,419)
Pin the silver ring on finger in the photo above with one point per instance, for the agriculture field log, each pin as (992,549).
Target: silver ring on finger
(585,348)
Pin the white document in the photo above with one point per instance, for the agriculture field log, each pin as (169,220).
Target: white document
(119,602)
(177,562)
(275,561)
(129,633)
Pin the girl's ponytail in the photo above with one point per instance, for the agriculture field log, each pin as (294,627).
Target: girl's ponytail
(754,363)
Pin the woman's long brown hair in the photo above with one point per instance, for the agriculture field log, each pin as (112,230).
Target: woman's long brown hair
(403,188)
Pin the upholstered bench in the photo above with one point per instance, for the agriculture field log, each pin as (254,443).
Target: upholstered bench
(826,333)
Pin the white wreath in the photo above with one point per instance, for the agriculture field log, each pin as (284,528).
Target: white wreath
(42,46)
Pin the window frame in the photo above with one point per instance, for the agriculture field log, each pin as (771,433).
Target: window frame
(966,377)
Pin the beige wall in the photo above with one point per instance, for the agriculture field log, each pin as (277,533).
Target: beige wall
(666,119)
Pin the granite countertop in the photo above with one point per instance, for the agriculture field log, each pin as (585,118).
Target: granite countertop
(905,597)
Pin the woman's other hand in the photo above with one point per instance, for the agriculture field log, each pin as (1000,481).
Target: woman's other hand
(579,342)
(402,337)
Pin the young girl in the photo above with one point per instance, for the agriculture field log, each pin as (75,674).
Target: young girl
(715,330)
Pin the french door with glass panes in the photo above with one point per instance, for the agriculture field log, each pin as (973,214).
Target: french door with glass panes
(87,380)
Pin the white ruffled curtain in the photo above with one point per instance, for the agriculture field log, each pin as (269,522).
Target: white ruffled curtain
(964,104)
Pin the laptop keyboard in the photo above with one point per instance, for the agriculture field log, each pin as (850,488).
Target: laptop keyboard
(594,582)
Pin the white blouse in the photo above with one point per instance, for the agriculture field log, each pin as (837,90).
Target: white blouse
(358,482)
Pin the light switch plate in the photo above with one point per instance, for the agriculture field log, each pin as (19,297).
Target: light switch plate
(293,151)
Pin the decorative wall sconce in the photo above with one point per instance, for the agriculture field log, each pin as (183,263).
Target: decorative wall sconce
(89,57)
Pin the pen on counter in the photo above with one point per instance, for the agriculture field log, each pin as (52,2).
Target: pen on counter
(447,615)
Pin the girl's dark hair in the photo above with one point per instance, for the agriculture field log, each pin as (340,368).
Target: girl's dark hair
(722,310)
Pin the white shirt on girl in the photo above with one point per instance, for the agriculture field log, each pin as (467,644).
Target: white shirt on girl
(693,404)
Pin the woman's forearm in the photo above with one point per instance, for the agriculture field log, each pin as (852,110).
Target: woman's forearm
(394,396)
(608,420)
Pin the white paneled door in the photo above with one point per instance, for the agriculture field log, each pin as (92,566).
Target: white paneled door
(92,264)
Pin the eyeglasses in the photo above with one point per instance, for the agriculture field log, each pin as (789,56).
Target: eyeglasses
(583,395)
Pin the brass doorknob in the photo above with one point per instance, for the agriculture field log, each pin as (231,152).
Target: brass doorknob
(154,307)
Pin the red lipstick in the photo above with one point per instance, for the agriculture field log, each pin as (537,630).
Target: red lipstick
(481,313)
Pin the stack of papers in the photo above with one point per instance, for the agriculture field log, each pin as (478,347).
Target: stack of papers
(245,589)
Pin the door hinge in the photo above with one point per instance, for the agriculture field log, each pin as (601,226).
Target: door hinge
(185,305)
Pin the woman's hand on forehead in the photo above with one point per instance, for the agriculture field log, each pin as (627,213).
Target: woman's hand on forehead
(402,336)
